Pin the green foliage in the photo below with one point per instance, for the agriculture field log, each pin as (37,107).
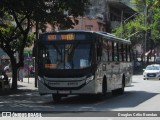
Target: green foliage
(17,17)
(138,23)
(130,27)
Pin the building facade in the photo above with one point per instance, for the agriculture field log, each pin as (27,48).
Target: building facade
(102,15)
(105,15)
(93,24)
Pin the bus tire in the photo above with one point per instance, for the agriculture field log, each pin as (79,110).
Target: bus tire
(115,92)
(121,90)
(56,98)
(104,86)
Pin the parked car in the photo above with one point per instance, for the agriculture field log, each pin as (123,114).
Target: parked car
(152,72)
(157,60)
(137,63)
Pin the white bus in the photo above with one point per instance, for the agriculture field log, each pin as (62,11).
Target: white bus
(82,62)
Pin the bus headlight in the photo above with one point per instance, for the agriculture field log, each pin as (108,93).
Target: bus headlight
(89,79)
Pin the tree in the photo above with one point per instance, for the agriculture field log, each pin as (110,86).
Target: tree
(17,18)
(148,20)
(133,30)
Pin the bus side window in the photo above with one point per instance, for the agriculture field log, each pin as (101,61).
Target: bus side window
(105,51)
(129,53)
(113,51)
(116,55)
(126,51)
(117,49)
(99,51)
(122,52)
(109,51)
(119,52)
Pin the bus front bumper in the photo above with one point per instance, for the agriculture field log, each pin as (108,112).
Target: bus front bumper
(88,88)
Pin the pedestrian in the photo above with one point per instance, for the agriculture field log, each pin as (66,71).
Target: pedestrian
(5,76)
(21,73)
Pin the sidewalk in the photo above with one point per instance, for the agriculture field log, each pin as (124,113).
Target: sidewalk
(27,84)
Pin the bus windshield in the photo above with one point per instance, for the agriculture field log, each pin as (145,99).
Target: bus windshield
(66,56)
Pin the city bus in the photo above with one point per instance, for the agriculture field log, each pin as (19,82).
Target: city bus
(77,62)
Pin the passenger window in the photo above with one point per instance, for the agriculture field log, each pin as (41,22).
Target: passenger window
(99,51)
(110,50)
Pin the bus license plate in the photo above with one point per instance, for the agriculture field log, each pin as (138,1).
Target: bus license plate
(63,92)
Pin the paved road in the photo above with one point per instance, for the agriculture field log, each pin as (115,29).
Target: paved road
(141,96)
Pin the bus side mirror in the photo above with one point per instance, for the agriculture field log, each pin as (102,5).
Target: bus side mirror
(33,52)
(35,49)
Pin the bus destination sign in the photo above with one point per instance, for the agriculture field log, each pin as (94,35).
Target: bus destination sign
(52,37)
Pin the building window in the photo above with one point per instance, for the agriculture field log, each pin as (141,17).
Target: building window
(88,27)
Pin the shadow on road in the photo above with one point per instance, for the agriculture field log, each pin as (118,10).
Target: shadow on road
(128,99)
(22,90)
(32,101)
(29,100)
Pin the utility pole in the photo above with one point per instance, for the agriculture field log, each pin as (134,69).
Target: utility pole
(36,68)
(145,39)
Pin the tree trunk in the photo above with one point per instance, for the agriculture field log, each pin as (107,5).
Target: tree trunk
(14,79)
(14,74)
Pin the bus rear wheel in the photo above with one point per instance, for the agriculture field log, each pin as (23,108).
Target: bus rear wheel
(119,91)
(56,98)
(104,87)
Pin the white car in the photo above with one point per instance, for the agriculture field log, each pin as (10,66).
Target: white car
(158,60)
(152,72)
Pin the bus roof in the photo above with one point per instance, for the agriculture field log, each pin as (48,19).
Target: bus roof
(69,31)
(112,36)
(103,34)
